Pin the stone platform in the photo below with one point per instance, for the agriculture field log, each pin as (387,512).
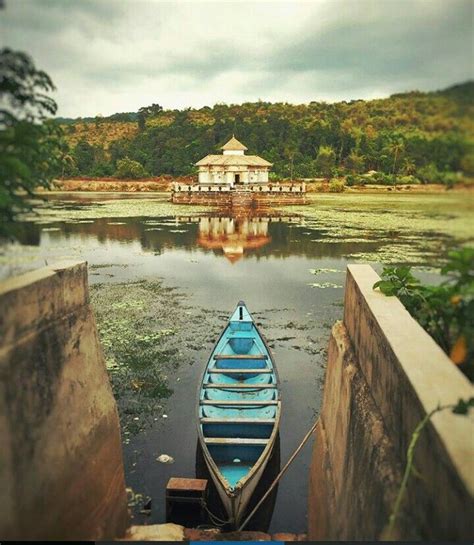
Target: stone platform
(175,532)
(241,196)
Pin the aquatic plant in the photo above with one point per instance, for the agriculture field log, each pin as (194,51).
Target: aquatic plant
(324,285)
(323,271)
(136,337)
(445,311)
(157,206)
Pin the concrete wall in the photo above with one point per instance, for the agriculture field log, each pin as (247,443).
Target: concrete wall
(61,473)
(384,374)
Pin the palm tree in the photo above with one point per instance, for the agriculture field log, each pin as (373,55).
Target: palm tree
(68,160)
(396,148)
(409,166)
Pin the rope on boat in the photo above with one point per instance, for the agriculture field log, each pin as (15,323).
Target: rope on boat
(216,521)
(278,477)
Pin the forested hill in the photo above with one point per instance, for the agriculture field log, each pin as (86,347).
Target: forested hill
(427,135)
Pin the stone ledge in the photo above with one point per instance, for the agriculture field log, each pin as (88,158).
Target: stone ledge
(35,298)
(175,532)
(406,370)
(61,466)
(231,198)
(155,532)
(373,401)
(354,475)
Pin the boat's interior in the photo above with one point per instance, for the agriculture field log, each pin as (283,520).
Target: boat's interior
(239,399)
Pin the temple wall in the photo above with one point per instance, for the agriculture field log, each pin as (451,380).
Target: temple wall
(226,175)
(204,177)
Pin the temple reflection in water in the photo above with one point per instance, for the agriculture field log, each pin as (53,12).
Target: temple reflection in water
(234,235)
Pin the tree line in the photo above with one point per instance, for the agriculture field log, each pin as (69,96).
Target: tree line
(414,137)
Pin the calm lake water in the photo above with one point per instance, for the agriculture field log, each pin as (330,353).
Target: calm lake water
(289,268)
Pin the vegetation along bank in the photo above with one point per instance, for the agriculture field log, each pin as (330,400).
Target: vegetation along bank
(408,138)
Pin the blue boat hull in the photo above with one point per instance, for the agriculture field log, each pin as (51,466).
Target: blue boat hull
(239,411)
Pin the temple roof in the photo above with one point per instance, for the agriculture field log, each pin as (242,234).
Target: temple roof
(233,160)
(233,144)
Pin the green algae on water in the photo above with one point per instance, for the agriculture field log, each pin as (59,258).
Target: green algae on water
(136,323)
(52,211)
(415,229)
(324,271)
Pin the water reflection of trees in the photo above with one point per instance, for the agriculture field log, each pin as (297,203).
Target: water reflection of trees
(230,236)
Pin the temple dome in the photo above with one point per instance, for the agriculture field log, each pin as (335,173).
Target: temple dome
(234,145)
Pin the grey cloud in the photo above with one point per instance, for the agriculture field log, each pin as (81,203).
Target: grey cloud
(212,60)
(400,43)
(425,46)
(48,18)
(336,49)
(394,44)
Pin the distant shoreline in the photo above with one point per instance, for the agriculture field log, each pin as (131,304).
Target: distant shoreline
(164,184)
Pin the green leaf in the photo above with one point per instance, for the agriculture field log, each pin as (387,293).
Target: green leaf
(463,406)
(386,287)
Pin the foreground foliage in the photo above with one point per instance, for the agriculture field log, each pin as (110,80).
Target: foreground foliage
(30,149)
(445,311)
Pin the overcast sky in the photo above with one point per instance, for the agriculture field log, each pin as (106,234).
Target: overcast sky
(108,56)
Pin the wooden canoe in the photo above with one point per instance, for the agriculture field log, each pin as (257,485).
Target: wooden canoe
(238,412)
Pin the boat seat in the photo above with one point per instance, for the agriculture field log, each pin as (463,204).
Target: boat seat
(236,371)
(238,385)
(207,420)
(239,332)
(239,402)
(234,441)
(238,411)
(240,356)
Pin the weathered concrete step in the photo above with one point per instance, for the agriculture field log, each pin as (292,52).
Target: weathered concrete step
(175,532)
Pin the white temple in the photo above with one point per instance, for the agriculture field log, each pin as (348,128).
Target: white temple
(233,167)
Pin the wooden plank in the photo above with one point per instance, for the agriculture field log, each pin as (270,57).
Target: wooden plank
(240,356)
(238,386)
(184,491)
(179,483)
(237,402)
(235,371)
(234,441)
(206,420)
